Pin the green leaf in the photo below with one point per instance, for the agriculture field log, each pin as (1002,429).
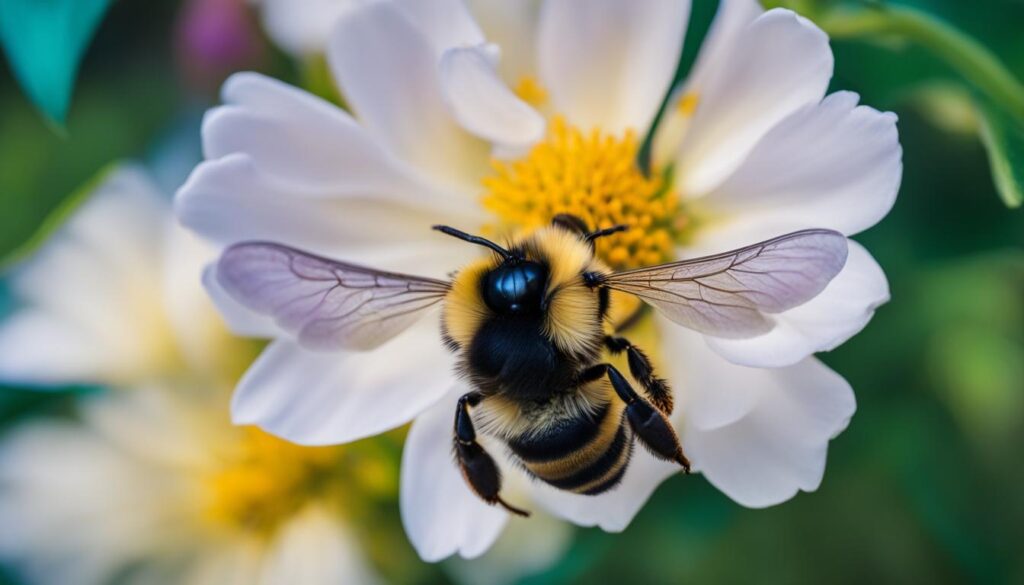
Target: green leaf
(44,41)
(56,219)
(1003,137)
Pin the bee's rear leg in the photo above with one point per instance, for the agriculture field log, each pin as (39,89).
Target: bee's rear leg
(478,468)
(648,423)
(640,368)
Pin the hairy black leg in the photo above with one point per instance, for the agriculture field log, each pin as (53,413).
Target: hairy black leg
(572,223)
(649,423)
(640,367)
(478,468)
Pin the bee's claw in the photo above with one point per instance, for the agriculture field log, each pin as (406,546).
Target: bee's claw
(511,508)
(682,460)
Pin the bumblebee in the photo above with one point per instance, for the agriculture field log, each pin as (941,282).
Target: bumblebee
(529,326)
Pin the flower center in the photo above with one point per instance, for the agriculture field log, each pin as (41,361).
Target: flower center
(593,176)
(266,480)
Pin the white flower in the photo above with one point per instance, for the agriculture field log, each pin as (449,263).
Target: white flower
(559,97)
(161,487)
(112,297)
(301,29)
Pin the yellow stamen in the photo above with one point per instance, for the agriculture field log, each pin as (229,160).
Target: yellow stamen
(595,177)
(265,481)
(531,91)
(687,104)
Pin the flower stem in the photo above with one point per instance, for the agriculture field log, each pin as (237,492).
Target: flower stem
(961,52)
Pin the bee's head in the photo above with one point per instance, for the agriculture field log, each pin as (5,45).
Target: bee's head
(516,287)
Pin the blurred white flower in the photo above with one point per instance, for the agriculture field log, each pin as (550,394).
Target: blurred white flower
(547,118)
(112,297)
(156,486)
(301,28)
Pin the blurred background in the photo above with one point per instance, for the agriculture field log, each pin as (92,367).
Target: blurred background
(924,486)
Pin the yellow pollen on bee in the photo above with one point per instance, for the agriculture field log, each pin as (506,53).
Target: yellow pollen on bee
(264,481)
(531,91)
(594,176)
(687,104)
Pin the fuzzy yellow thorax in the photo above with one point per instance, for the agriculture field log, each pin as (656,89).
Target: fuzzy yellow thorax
(594,176)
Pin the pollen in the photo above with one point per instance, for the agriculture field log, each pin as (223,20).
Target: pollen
(264,480)
(687,104)
(594,176)
(531,91)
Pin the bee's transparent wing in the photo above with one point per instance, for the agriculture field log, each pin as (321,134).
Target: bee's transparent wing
(326,304)
(728,295)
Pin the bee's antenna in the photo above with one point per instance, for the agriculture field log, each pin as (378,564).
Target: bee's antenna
(606,232)
(505,254)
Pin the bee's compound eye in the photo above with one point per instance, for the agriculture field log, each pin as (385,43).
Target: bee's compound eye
(515,288)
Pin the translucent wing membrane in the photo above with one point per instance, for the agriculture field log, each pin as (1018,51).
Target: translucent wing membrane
(728,295)
(326,304)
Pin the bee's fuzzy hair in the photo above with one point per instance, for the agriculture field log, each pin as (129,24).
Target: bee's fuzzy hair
(464,308)
(574,318)
(502,417)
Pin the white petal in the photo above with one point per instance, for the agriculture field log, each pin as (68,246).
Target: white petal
(328,398)
(165,425)
(37,347)
(730,20)
(442,516)
(709,390)
(302,30)
(527,547)
(723,38)
(483,104)
(613,510)
(823,323)
(609,63)
(779,447)
(387,70)
(447,23)
(58,483)
(201,335)
(312,146)
(96,310)
(230,200)
(834,165)
(513,27)
(314,547)
(240,320)
(779,63)
(234,562)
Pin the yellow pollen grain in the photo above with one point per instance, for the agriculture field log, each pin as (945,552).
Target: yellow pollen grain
(687,104)
(594,176)
(531,91)
(265,481)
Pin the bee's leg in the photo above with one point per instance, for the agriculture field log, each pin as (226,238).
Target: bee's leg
(641,369)
(649,423)
(478,468)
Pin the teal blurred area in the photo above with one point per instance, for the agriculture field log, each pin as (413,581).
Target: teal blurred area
(925,486)
(44,42)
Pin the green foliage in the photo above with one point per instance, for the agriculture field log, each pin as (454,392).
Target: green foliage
(894,26)
(1003,137)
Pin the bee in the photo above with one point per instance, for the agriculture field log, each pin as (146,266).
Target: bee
(529,326)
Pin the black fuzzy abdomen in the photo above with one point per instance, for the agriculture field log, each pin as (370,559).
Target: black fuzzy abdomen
(513,357)
(587,454)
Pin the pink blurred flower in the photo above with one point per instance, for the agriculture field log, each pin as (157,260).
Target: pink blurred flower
(214,38)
